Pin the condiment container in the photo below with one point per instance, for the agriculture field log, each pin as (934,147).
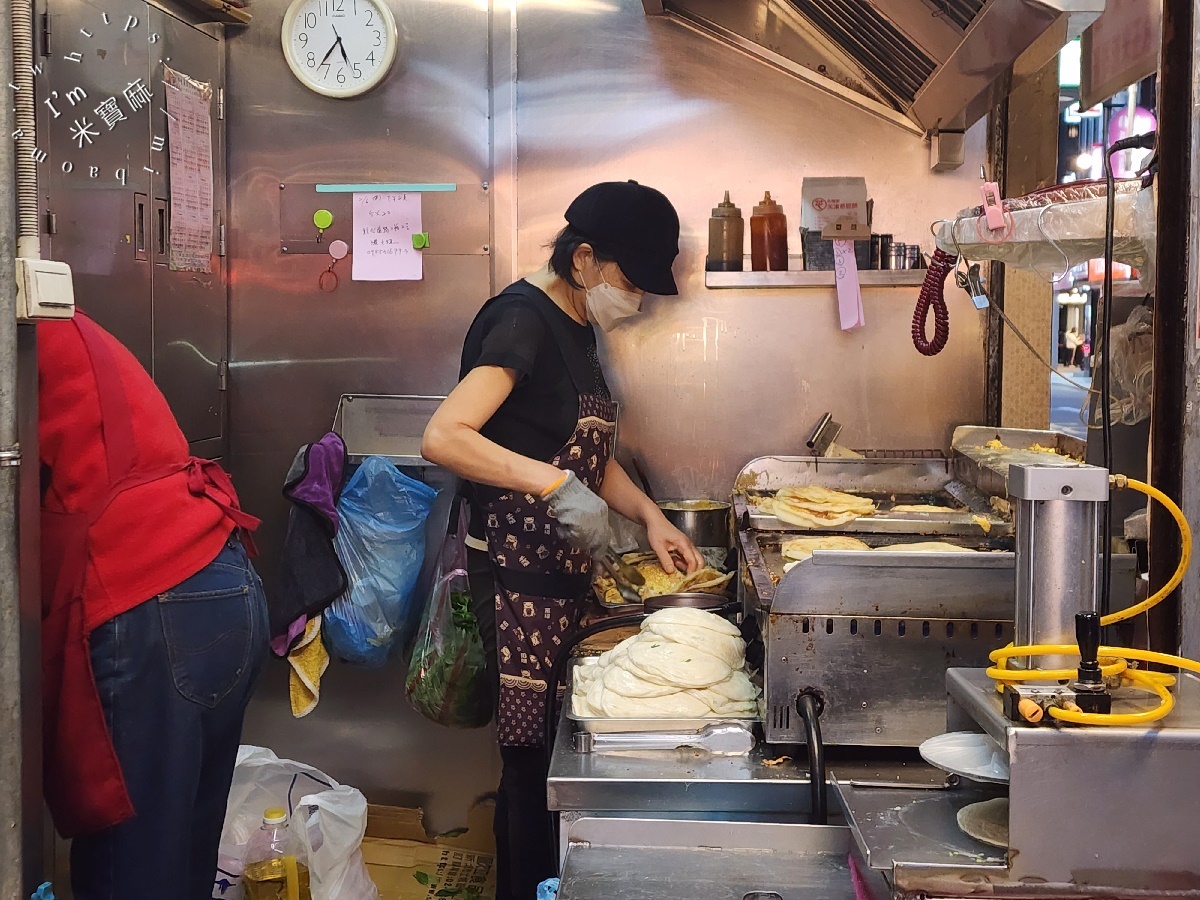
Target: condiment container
(726,238)
(768,237)
(885,251)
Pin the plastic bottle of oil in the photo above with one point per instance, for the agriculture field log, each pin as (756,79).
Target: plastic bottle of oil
(768,237)
(275,863)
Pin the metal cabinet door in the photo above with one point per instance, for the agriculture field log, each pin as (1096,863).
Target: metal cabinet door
(191,309)
(94,101)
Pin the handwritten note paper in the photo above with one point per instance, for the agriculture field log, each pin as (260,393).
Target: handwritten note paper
(384,225)
(189,134)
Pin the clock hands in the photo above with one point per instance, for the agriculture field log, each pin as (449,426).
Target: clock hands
(337,45)
(325,58)
(340,46)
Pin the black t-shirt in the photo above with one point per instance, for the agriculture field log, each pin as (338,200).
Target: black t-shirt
(530,334)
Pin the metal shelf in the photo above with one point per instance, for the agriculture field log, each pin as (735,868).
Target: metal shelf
(387,425)
(870,278)
(222,12)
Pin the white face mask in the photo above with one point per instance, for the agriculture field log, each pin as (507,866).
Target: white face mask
(607,305)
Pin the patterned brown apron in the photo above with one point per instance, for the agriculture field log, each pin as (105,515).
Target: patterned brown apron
(541,579)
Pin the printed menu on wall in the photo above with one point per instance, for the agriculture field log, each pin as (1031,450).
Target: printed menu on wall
(189,136)
(384,225)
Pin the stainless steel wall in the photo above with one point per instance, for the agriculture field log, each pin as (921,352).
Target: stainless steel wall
(577,91)
(296,349)
(713,378)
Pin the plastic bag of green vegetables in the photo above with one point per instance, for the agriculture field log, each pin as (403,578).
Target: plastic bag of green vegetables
(447,676)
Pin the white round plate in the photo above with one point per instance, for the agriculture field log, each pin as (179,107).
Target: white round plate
(967,754)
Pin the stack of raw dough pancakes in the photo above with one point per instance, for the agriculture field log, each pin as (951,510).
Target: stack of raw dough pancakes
(683,664)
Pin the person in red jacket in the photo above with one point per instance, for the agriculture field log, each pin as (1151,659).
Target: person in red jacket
(154,625)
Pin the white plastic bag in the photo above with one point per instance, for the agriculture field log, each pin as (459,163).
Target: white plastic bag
(329,819)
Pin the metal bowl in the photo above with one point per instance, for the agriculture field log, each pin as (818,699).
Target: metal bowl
(695,600)
(707,523)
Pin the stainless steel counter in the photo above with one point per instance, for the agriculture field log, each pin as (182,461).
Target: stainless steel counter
(635,859)
(693,782)
(908,827)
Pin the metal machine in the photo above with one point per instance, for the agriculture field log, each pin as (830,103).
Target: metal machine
(874,633)
(1088,811)
(884,638)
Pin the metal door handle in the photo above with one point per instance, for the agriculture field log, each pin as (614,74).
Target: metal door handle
(161,232)
(139,226)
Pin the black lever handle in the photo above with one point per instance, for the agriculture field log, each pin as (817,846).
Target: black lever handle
(1087,635)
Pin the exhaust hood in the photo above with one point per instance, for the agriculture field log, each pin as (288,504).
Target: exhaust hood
(927,65)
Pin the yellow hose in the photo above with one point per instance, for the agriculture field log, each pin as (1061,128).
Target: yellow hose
(1114,660)
(1185,556)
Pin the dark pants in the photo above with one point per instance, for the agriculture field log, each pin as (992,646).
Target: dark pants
(524,853)
(175,674)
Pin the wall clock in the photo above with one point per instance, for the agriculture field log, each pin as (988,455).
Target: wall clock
(339,48)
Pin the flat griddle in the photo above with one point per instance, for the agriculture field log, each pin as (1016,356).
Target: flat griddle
(770,546)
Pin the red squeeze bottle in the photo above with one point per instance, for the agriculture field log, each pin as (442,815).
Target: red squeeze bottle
(768,237)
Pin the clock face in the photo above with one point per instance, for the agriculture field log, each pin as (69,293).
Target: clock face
(339,48)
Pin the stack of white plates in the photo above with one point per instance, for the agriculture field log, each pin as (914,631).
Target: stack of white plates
(968,755)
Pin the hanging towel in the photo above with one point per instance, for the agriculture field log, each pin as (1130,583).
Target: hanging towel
(308,660)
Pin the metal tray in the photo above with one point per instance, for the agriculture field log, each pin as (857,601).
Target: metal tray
(652,726)
(719,559)
(625,726)
(680,726)
(987,469)
(694,600)
(889,482)
(770,555)
(954,521)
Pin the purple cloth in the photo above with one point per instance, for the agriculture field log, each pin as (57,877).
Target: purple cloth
(320,484)
(283,644)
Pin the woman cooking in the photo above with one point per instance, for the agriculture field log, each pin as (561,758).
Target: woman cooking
(531,426)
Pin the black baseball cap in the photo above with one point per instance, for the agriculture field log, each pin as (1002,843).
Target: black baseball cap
(637,225)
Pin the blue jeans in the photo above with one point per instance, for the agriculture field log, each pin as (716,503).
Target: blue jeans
(175,674)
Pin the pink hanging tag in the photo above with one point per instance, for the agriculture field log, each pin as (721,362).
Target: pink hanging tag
(993,205)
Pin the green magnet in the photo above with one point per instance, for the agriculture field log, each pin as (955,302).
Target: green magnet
(322,218)
(421,240)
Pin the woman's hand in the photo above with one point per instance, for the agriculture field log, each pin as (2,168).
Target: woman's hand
(672,546)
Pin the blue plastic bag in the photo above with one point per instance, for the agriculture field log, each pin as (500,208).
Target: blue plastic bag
(381,544)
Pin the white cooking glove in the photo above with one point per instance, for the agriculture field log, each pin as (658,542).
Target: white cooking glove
(582,515)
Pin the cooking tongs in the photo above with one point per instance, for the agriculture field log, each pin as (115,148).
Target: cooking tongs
(627,578)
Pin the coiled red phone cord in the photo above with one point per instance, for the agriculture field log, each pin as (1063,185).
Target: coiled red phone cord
(933,296)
